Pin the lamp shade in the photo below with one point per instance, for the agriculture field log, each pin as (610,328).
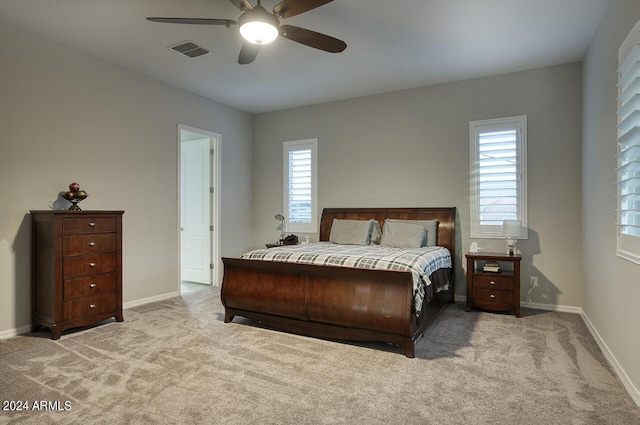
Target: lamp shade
(258,26)
(259,32)
(512,229)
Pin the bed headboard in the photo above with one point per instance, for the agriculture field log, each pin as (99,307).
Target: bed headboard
(446,220)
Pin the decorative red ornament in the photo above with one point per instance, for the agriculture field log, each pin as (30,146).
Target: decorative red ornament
(74,195)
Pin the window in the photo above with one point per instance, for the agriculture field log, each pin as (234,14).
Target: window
(628,171)
(300,186)
(498,175)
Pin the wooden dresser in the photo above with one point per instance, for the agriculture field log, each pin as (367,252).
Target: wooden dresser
(76,268)
(493,291)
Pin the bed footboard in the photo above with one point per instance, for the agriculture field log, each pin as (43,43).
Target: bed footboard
(326,302)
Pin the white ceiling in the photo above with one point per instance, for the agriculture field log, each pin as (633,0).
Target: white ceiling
(392,45)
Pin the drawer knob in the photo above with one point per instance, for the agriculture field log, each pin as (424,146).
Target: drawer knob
(92,244)
(92,285)
(92,224)
(92,264)
(492,283)
(92,306)
(492,296)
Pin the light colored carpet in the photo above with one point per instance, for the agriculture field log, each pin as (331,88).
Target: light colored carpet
(176,362)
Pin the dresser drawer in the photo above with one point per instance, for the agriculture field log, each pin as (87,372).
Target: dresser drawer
(499,282)
(88,224)
(489,296)
(90,285)
(88,306)
(82,265)
(90,243)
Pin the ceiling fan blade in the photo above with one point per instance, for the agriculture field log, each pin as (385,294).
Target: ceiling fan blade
(288,8)
(196,21)
(312,39)
(243,5)
(248,53)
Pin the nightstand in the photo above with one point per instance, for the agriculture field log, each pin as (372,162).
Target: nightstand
(493,291)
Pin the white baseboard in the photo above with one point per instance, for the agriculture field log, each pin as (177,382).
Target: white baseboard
(10,333)
(149,300)
(631,388)
(553,307)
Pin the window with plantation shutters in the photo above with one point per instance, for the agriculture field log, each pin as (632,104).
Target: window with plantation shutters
(300,193)
(628,156)
(498,175)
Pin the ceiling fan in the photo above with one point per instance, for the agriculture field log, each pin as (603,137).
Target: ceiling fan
(258,26)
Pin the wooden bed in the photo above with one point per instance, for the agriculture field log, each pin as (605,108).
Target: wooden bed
(326,301)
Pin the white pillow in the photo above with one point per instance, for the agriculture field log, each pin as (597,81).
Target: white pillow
(403,235)
(351,232)
(430,225)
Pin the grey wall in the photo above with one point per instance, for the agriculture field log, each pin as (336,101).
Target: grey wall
(66,116)
(411,148)
(612,285)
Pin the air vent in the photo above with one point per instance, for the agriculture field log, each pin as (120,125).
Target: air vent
(189,49)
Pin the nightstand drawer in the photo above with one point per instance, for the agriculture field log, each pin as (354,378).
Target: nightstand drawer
(492,296)
(88,243)
(90,285)
(88,224)
(89,306)
(493,282)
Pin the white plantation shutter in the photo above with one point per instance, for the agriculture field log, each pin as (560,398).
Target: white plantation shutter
(628,171)
(300,185)
(498,173)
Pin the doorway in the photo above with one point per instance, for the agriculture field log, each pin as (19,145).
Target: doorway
(199,206)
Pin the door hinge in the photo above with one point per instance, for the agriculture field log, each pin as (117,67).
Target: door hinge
(211,266)
(211,228)
(211,152)
(210,190)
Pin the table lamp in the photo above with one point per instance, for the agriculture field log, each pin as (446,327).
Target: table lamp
(512,231)
(280,217)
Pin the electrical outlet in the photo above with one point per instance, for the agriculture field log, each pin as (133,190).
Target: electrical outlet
(533,281)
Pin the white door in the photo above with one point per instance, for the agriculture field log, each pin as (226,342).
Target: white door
(195,211)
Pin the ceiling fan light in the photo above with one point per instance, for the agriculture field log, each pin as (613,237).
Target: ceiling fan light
(257,32)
